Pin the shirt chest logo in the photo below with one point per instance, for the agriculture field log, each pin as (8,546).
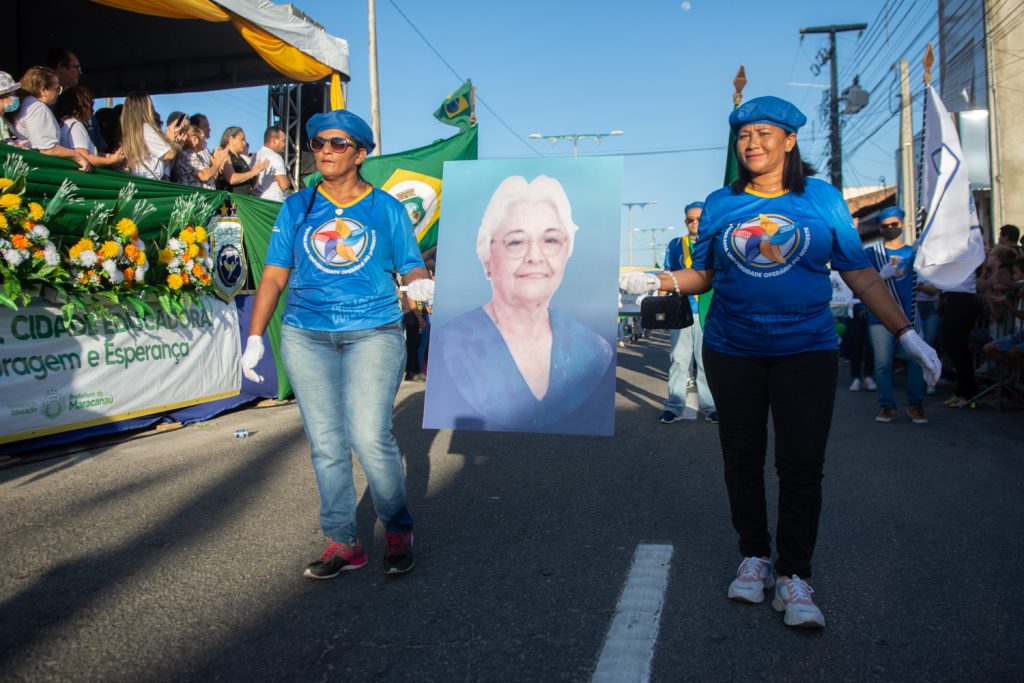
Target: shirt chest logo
(340,245)
(767,243)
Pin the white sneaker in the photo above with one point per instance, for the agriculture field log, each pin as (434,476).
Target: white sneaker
(793,596)
(855,385)
(752,577)
(869,384)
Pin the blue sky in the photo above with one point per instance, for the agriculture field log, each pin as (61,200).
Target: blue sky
(652,68)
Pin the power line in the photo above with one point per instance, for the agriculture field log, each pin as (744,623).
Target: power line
(462,80)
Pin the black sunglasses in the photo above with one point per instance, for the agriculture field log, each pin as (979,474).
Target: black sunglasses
(339,145)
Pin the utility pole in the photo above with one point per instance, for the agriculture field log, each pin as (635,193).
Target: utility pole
(907,197)
(371,13)
(836,160)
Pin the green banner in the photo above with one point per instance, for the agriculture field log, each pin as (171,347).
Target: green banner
(414,178)
(457,109)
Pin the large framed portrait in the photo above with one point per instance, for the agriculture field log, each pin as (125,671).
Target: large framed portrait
(524,321)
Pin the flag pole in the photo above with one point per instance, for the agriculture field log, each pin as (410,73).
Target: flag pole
(738,84)
(922,210)
(371,14)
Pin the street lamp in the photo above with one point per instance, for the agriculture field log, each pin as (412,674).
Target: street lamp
(629,222)
(654,231)
(575,137)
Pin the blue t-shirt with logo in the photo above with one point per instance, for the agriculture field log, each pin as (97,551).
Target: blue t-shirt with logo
(342,258)
(770,255)
(901,286)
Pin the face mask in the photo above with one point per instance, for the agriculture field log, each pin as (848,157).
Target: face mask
(13,105)
(889,234)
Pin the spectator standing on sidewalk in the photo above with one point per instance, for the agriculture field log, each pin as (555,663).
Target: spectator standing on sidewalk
(894,261)
(770,341)
(685,347)
(335,247)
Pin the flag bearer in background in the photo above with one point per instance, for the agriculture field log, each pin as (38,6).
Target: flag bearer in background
(685,346)
(894,261)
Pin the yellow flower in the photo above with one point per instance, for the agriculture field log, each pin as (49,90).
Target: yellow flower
(110,249)
(193,250)
(10,201)
(36,211)
(140,258)
(174,282)
(197,271)
(200,233)
(127,228)
(166,256)
(5,183)
(82,245)
(188,236)
(3,222)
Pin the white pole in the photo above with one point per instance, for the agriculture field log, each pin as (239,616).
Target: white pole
(371,13)
(907,156)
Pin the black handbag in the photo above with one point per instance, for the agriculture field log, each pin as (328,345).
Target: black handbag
(670,312)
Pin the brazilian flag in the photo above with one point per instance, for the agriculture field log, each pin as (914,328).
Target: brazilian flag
(457,109)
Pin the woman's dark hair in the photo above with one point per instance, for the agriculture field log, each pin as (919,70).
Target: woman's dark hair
(795,172)
(229,132)
(75,102)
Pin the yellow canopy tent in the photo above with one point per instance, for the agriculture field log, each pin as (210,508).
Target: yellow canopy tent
(167,46)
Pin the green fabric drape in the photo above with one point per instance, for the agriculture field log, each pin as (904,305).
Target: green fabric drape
(261,214)
(100,185)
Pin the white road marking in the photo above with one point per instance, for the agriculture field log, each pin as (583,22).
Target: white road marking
(629,647)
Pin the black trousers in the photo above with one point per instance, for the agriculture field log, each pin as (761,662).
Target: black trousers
(412,345)
(858,349)
(959,313)
(800,391)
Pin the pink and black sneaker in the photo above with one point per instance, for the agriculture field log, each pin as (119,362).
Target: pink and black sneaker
(337,558)
(398,552)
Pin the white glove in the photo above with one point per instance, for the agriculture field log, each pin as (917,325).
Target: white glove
(252,355)
(923,355)
(887,272)
(636,282)
(420,290)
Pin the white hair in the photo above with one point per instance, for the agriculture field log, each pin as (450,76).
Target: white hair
(516,189)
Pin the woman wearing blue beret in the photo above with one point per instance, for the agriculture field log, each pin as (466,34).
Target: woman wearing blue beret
(765,244)
(335,247)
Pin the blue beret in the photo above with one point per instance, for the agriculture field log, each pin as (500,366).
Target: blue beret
(768,109)
(891,212)
(693,205)
(342,119)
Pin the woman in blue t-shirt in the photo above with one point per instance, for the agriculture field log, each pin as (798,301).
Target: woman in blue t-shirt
(335,247)
(764,244)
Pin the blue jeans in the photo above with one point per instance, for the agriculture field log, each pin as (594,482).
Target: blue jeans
(686,346)
(345,383)
(884,344)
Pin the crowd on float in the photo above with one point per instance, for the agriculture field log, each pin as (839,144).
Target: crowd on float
(50,110)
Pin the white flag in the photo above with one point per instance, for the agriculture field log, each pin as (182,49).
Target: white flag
(951,246)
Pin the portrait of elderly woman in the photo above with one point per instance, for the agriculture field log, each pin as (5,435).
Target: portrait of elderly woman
(516,363)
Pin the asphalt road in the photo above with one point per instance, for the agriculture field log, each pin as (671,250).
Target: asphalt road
(178,556)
